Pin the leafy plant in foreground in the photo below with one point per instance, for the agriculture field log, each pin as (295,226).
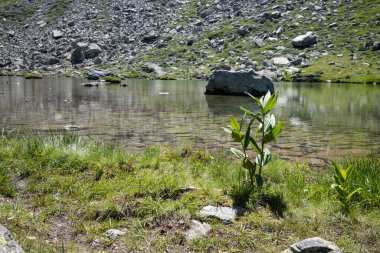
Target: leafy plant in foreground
(342,185)
(268,130)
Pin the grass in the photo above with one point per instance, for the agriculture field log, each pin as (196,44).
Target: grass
(59,193)
(112,79)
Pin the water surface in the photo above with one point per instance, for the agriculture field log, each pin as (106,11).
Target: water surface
(322,121)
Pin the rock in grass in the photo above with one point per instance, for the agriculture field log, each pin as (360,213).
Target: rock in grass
(113,233)
(313,245)
(222,82)
(304,40)
(7,244)
(197,229)
(225,214)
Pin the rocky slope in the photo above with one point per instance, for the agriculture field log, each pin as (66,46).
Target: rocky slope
(189,38)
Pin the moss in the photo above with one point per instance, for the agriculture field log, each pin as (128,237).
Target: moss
(112,79)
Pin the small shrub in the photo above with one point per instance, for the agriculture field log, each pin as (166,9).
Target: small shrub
(267,128)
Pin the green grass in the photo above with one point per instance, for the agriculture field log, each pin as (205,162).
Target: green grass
(112,79)
(68,191)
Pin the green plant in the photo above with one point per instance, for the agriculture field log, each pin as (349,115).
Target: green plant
(342,185)
(268,130)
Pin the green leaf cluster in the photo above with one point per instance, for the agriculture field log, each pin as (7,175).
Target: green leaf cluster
(267,130)
(342,184)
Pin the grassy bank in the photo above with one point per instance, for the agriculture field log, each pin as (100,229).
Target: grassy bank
(60,193)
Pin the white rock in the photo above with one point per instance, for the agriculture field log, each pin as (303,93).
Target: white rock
(197,229)
(113,233)
(280,61)
(225,214)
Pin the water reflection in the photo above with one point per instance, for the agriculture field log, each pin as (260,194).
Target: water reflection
(321,121)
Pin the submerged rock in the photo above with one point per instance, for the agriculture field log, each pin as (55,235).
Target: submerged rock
(7,244)
(222,82)
(313,245)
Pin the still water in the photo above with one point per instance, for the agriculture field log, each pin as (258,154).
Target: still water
(322,121)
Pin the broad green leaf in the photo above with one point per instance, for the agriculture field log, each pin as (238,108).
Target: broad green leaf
(247,164)
(256,99)
(273,133)
(259,181)
(269,123)
(254,145)
(265,99)
(237,136)
(271,103)
(248,112)
(238,153)
(228,130)
(349,196)
(267,156)
(247,137)
(234,124)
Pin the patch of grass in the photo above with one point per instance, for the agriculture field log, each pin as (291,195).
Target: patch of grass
(32,75)
(70,191)
(112,79)
(57,10)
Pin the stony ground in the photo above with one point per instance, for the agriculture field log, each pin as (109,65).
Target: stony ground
(188,38)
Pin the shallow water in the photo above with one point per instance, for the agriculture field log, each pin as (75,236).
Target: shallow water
(322,121)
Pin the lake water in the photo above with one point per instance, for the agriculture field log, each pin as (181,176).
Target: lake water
(322,121)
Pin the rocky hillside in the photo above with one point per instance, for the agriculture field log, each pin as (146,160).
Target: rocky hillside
(188,38)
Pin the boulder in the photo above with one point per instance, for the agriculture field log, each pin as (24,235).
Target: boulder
(153,68)
(7,244)
(304,40)
(92,51)
(97,74)
(77,56)
(222,82)
(313,245)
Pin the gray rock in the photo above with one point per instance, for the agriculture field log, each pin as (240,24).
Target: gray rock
(280,61)
(197,229)
(57,34)
(304,40)
(97,74)
(77,56)
(154,68)
(225,214)
(113,233)
(376,46)
(222,82)
(7,244)
(98,60)
(92,51)
(313,245)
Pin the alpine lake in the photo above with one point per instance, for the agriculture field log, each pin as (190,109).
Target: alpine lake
(322,121)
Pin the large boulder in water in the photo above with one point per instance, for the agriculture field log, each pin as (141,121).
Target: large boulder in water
(7,244)
(222,82)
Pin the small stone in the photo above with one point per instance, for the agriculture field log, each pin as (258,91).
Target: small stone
(313,245)
(280,61)
(197,229)
(113,233)
(225,214)
(57,34)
